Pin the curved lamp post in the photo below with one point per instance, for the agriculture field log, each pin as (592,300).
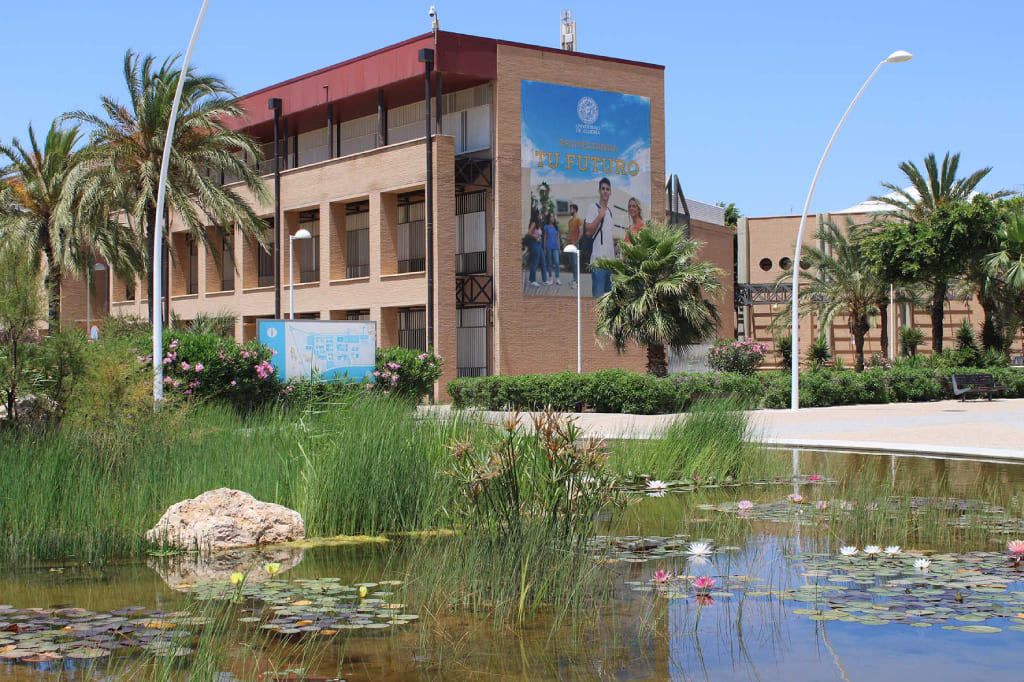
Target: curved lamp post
(571,248)
(898,56)
(301,234)
(158,231)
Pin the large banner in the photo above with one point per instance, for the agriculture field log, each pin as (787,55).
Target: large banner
(586,157)
(327,350)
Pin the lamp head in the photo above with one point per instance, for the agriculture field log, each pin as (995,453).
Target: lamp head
(899,56)
(302,234)
(99,267)
(570,248)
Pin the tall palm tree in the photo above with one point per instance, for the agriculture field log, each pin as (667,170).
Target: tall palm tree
(129,143)
(1006,264)
(658,294)
(934,189)
(44,206)
(839,280)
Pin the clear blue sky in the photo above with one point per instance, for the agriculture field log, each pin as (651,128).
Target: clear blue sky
(753,89)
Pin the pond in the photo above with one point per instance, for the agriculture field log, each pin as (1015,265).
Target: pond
(721,583)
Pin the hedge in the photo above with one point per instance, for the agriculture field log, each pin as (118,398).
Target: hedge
(617,390)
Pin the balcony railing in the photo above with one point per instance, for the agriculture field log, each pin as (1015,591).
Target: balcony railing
(412,265)
(470,262)
(357,270)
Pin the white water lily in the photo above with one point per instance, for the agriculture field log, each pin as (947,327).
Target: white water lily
(872,550)
(922,564)
(893,550)
(656,485)
(849,550)
(699,549)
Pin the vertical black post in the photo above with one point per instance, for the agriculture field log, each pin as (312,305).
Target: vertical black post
(330,124)
(427,57)
(275,104)
(382,119)
(437,105)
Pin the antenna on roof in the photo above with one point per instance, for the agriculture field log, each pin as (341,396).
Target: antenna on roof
(568,31)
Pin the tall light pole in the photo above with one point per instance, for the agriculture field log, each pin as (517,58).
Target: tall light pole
(98,267)
(571,248)
(426,56)
(275,104)
(898,56)
(301,234)
(158,236)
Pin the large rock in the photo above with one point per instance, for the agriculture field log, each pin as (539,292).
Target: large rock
(223,519)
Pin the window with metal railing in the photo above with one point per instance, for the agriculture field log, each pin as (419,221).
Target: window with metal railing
(265,258)
(309,249)
(412,238)
(470,233)
(193,265)
(227,264)
(357,244)
(471,342)
(412,329)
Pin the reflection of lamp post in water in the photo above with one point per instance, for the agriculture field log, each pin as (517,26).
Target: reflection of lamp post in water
(301,234)
(98,267)
(571,248)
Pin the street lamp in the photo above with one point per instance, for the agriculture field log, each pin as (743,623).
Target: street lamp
(898,56)
(571,248)
(301,234)
(98,267)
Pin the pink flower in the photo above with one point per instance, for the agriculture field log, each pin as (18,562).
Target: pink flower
(814,477)
(176,384)
(703,583)
(821,504)
(744,505)
(1016,547)
(234,383)
(661,576)
(185,366)
(795,498)
(199,367)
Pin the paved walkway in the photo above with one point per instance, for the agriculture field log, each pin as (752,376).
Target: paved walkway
(976,428)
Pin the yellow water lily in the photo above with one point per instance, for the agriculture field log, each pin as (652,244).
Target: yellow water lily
(363,591)
(237,578)
(272,567)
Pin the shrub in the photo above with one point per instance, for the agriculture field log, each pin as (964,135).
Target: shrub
(406,372)
(965,337)
(910,339)
(736,356)
(784,349)
(208,366)
(819,353)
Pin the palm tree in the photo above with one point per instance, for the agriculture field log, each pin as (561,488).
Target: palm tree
(129,143)
(839,280)
(1006,264)
(657,295)
(936,188)
(43,205)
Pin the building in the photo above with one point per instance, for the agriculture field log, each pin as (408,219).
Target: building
(764,250)
(515,128)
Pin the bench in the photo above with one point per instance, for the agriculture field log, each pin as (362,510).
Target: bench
(975,383)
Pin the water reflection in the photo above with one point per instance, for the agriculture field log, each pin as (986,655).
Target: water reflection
(181,571)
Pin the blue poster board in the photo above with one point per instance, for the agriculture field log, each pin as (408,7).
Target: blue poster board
(328,350)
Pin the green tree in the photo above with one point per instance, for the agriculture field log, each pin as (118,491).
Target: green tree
(933,250)
(1006,263)
(129,142)
(658,294)
(20,308)
(732,214)
(839,280)
(43,211)
(931,190)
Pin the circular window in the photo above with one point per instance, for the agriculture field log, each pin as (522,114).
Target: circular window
(804,264)
(785,263)
(766,264)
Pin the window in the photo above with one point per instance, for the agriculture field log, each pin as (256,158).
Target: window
(357,243)
(309,249)
(471,341)
(227,269)
(785,263)
(766,264)
(412,239)
(357,315)
(467,117)
(193,265)
(412,329)
(129,290)
(265,258)
(470,233)
(359,134)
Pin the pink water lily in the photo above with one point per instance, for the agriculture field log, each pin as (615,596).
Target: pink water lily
(744,505)
(795,498)
(661,576)
(703,583)
(1016,547)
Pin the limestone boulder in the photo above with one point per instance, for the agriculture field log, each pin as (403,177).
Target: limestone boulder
(225,519)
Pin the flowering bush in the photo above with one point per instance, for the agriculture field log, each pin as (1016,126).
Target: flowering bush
(406,372)
(877,361)
(205,365)
(736,356)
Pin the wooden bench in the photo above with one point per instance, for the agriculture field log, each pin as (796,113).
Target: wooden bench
(975,383)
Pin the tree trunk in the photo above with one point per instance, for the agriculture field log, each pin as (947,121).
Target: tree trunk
(883,326)
(859,329)
(990,337)
(657,360)
(149,227)
(51,283)
(938,310)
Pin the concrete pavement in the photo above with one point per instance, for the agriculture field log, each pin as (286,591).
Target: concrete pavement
(976,428)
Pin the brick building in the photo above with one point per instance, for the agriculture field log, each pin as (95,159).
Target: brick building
(353,173)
